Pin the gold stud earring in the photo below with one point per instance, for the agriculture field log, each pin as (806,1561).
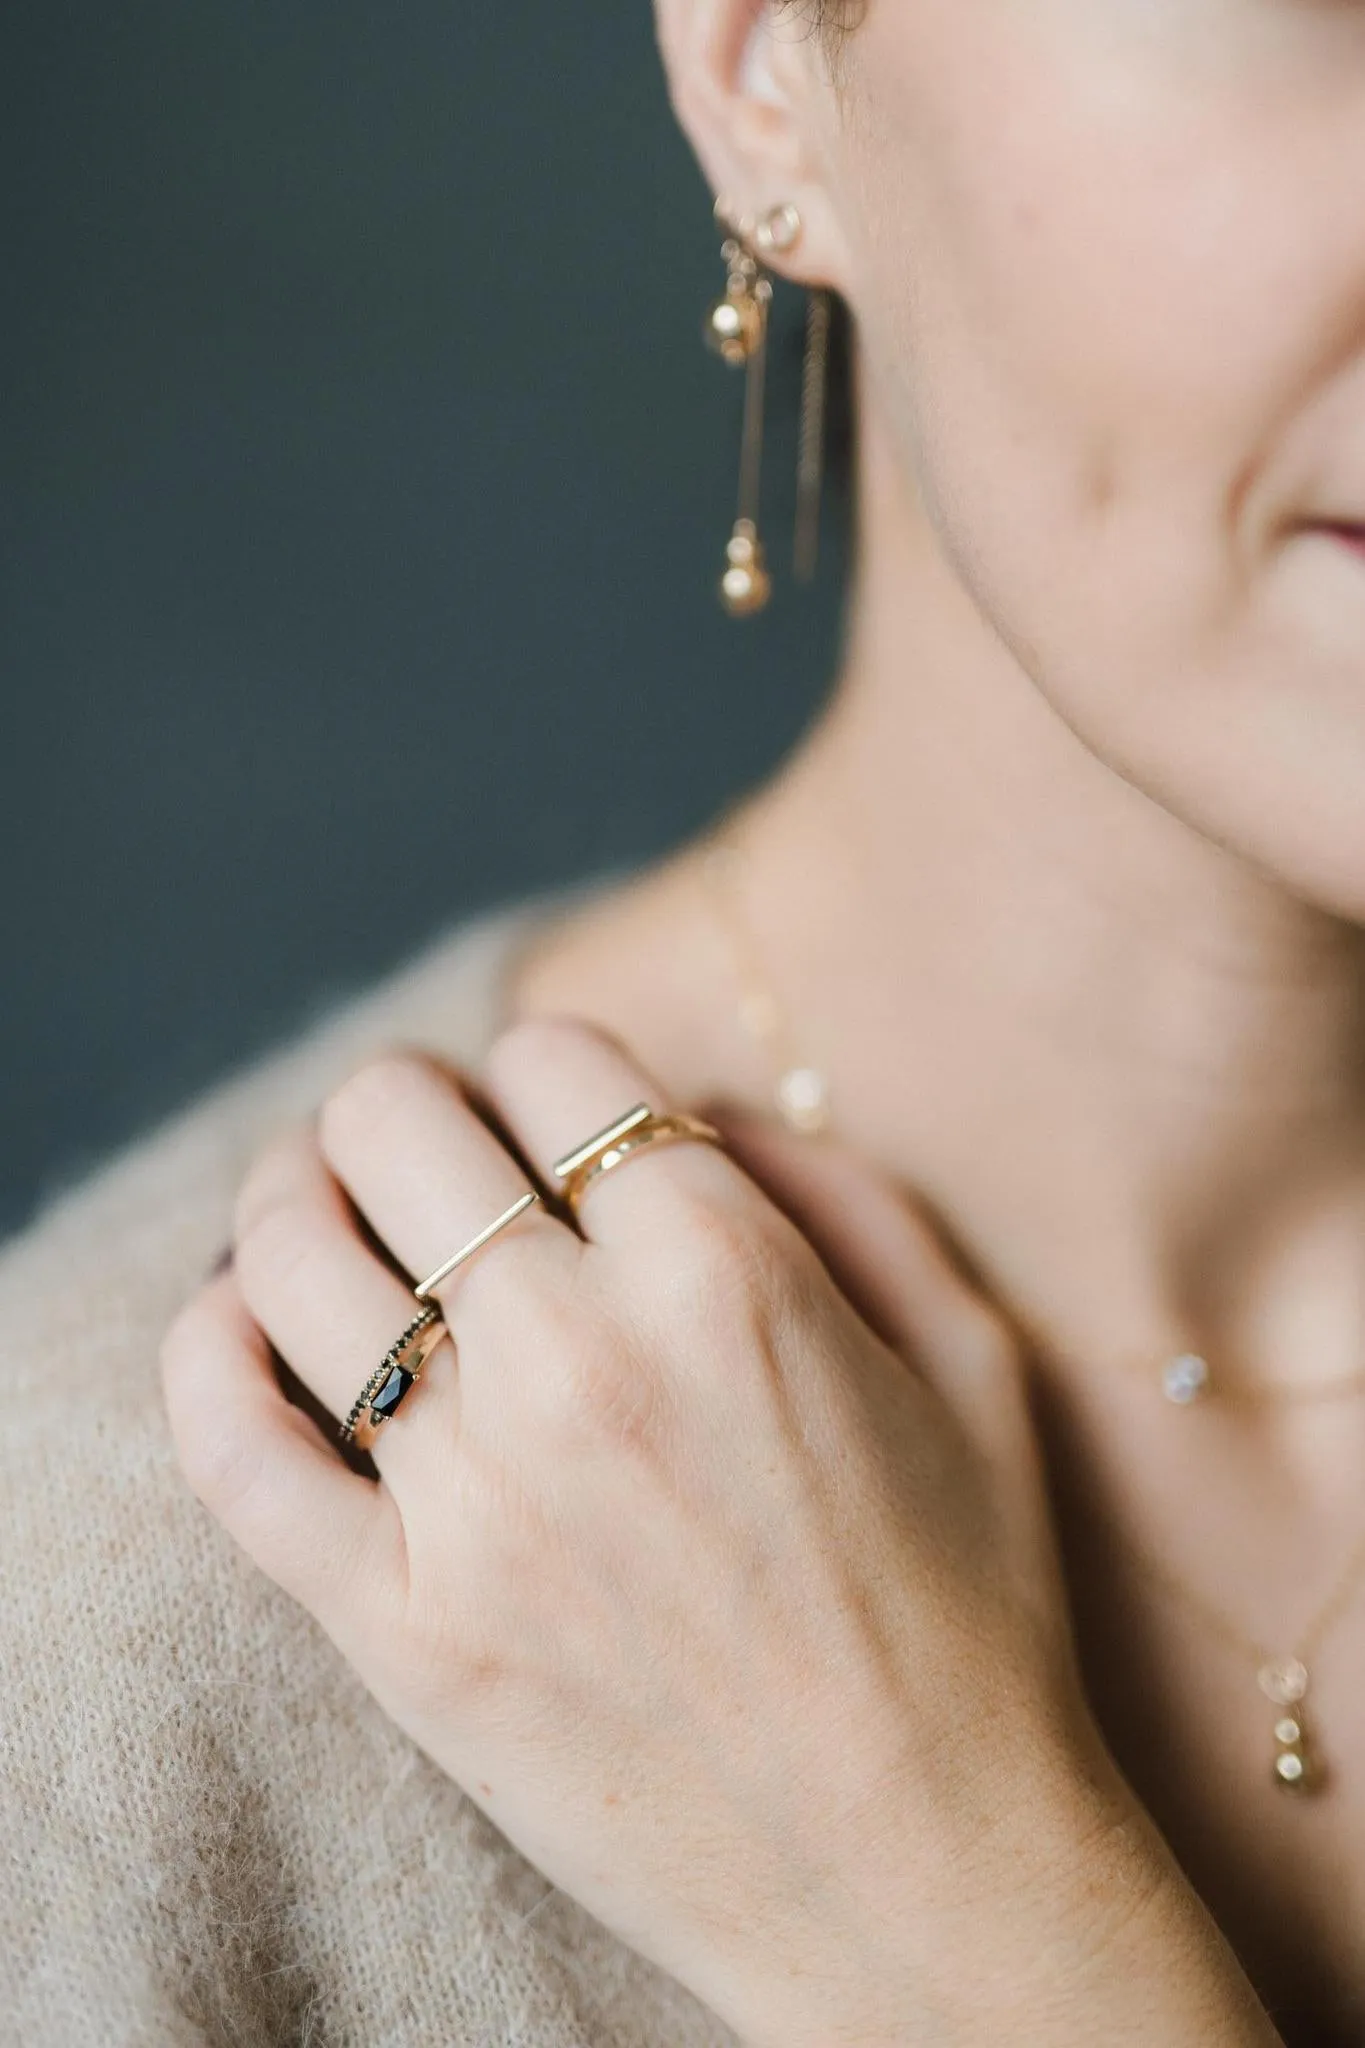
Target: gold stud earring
(778,230)
(737,330)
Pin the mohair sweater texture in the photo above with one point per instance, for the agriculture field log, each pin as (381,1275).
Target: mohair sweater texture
(210,1835)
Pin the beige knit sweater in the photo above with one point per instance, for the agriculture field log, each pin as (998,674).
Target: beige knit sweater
(210,1835)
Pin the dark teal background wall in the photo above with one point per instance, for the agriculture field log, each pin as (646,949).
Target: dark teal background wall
(363,483)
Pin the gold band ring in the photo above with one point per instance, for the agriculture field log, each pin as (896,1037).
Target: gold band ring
(631,1133)
(393,1378)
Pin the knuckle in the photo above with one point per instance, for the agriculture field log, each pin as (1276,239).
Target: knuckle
(527,1041)
(222,1460)
(203,1332)
(454,1656)
(991,1348)
(182,1341)
(576,1368)
(586,1379)
(476,1667)
(278,1171)
(273,1252)
(732,1295)
(601,1390)
(530,1043)
(368,1096)
(223,1464)
(511,1298)
(720,1257)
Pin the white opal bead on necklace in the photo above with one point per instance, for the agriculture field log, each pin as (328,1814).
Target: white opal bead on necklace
(803,1098)
(1185,1379)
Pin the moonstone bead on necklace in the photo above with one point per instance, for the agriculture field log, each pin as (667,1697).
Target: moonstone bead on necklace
(802,1094)
(1185,1379)
(803,1099)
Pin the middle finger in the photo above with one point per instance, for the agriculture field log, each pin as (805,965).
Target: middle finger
(429,1176)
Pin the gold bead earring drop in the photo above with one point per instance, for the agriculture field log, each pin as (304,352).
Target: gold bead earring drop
(737,330)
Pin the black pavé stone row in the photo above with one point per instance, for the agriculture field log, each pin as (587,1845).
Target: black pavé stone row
(390,1380)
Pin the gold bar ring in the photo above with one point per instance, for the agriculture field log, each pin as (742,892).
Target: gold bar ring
(433,1280)
(629,1134)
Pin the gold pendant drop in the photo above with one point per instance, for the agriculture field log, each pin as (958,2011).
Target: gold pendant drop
(1284,1681)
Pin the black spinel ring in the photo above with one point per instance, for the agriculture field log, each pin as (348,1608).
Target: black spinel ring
(397,1372)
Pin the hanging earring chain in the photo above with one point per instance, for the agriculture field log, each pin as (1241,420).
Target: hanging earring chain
(811,446)
(737,329)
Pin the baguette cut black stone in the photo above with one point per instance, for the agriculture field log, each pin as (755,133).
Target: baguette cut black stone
(391,1393)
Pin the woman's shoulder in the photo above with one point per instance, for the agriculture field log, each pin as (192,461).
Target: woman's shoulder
(212,1831)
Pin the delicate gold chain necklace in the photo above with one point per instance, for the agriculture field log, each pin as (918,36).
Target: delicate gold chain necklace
(801,1095)
(800,1091)
(1283,1679)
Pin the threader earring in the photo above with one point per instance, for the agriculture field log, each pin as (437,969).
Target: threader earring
(737,329)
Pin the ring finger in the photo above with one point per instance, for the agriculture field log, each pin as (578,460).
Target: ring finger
(328,1304)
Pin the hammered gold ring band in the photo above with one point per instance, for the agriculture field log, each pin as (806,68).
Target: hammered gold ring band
(620,1141)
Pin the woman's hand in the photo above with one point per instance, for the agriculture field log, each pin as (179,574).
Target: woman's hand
(734,1607)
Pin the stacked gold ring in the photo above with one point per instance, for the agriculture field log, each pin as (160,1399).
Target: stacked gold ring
(394,1376)
(401,1366)
(620,1141)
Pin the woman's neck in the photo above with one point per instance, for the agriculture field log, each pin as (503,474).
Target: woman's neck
(1128,1070)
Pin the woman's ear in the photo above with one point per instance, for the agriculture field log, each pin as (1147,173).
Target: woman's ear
(750,85)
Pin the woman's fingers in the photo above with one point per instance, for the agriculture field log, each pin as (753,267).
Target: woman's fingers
(885,1254)
(556,1082)
(428,1175)
(332,1539)
(328,1303)
(538,1318)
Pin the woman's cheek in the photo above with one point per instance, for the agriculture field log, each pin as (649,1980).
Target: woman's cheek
(1063,226)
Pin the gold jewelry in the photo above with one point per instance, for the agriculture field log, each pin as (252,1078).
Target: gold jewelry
(401,1366)
(737,330)
(801,1097)
(800,1089)
(394,1377)
(433,1280)
(631,1133)
(801,1094)
(775,231)
(1283,1679)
